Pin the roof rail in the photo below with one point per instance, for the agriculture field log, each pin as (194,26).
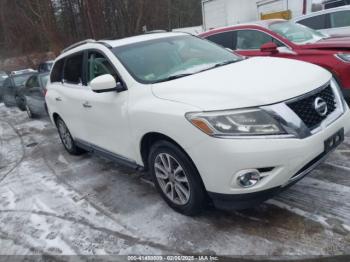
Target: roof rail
(78,44)
(155,32)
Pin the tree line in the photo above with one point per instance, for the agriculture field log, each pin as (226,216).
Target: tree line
(28,26)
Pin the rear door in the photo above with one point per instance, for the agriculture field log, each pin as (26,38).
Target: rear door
(68,87)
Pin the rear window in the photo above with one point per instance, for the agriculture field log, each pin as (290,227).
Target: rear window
(73,69)
(57,71)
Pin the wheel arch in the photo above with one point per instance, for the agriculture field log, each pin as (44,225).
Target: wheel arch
(150,139)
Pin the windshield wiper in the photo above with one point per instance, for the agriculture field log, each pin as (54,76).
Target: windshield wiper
(220,65)
(173,77)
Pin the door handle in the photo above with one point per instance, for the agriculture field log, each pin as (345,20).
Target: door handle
(87,105)
(58,99)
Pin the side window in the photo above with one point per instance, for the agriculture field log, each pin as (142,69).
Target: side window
(340,19)
(224,39)
(57,71)
(316,22)
(32,82)
(99,65)
(73,69)
(253,40)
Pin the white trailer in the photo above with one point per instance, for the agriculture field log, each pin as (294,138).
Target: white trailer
(218,13)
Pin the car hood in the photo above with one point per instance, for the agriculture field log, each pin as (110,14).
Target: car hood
(332,43)
(253,82)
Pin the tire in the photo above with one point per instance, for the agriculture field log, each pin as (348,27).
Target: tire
(173,180)
(20,102)
(30,114)
(66,138)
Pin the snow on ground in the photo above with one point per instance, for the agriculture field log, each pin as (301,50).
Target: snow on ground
(54,203)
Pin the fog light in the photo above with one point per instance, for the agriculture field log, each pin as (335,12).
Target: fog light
(248,178)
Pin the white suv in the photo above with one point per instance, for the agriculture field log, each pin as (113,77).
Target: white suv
(210,126)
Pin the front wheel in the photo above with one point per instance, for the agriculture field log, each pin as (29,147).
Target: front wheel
(177,179)
(67,139)
(30,114)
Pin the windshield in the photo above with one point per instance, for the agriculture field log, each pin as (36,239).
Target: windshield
(21,79)
(172,57)
(297,33)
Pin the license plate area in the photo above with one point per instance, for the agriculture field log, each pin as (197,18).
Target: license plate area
(334,141)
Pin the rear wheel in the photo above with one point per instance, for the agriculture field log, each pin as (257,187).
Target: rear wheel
(177,179)
(67,139)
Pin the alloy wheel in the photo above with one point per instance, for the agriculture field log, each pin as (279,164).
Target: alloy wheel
(65,135)
(29,113)
(172,179)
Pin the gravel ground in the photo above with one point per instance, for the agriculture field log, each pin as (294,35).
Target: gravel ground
(54,203)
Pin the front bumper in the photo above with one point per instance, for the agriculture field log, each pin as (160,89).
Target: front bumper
(282,161)
(243,201)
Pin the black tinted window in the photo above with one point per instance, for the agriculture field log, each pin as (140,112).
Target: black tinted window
(316,22)
(57,71)
(224,39)
(336,3)
(73,69)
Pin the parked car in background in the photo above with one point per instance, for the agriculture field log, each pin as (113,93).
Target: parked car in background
(206,123)
(11,87)
(23,71)
(327,4)
(280,38)
(45,66)
(333,22)
(3,76)
(33,93)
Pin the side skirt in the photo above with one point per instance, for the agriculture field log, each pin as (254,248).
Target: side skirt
(108,155)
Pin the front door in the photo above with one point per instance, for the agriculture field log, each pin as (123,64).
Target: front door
(106,114)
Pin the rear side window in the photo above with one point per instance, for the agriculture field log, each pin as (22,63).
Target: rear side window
(57,71)
(340,19)
(316,22)
(73,69)
(224,39)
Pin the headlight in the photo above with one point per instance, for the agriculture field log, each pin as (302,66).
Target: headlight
(250,122)
(343,57)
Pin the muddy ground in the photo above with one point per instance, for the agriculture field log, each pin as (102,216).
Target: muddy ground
(54,203)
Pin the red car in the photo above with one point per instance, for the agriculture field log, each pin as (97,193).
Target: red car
(280,38)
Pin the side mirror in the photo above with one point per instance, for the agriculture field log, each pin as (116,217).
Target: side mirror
(105,83)
(269,48)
